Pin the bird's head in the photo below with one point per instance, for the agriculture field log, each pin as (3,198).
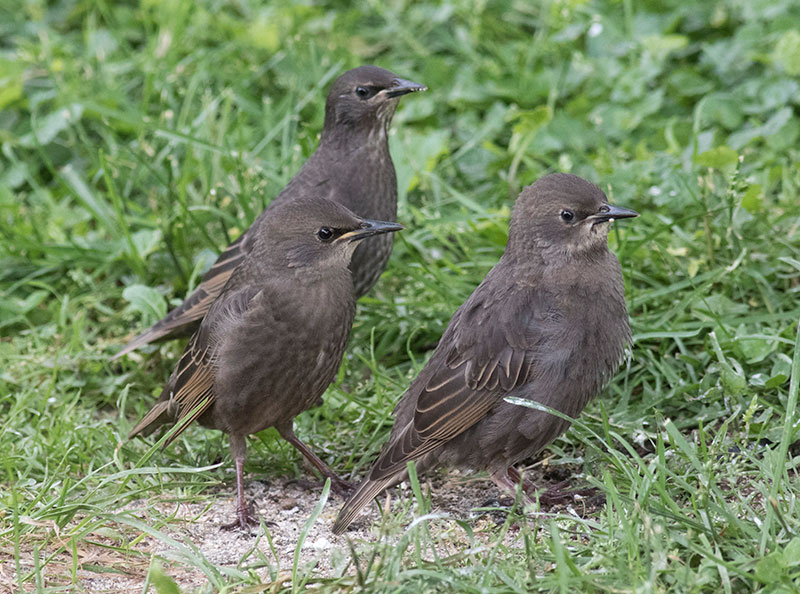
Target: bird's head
(364,100)
(564,216)
(318,235)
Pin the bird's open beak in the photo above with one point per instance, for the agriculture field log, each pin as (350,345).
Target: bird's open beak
(608,213)
(368,229)
(401,86)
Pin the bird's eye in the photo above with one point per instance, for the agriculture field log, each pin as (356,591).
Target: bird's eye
(325,234)
(567,216)
(363,92)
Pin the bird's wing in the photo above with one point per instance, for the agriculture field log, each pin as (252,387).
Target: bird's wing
(467,380)
(184,318)
(190,390)
(480,359)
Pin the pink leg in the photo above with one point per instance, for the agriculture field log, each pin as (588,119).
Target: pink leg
(244,518)
(508,483)
(528,487)
(553,494)
(339,486)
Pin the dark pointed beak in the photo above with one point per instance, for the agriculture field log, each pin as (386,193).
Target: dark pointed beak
(608,212)
(369,228)
(400,86)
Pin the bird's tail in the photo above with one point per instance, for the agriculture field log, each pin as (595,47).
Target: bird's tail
(163,330)
(158,415)
(365,492)
(141,340)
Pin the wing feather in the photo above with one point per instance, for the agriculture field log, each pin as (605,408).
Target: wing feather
(455,397)
(486,352)
(190,390)
(188,314)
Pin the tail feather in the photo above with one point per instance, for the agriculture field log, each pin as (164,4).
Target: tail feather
(157,416)
(389,469)
(184,319)
(365,492)
(135,343)
(158,332)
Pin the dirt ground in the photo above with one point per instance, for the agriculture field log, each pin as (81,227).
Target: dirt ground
(285,506)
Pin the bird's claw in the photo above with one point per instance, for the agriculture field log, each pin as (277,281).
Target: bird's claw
(556,494)
(244,521)
(341,487)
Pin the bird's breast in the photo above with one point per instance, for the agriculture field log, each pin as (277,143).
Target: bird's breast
(279,360)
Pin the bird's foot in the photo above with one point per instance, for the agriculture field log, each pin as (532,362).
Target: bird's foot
(557,494)
(341,487)
(245,520)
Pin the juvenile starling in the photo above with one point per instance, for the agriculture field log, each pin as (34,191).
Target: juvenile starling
(351,166)
(548,323)
(273,340)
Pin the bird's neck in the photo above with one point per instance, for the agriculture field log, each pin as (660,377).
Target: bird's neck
(531,266)
(346,139)
(334,282)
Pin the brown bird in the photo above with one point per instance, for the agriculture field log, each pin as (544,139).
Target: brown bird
(274,338)
(351,166)
(548,324)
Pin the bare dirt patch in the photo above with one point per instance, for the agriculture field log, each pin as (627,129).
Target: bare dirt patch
(188,532)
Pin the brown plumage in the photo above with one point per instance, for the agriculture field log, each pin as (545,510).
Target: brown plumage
(274,338)
(548,323)
(351,166)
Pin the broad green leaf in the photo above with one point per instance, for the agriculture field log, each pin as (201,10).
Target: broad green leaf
(723,109)
(753,198)
(146,241)
(787,52)
(770,568)
(717,158)
(791,553)
(163,583)
(146,301)
(10,81)
(47,127)
(662,45)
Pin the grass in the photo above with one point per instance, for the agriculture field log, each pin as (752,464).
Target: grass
(137,139)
